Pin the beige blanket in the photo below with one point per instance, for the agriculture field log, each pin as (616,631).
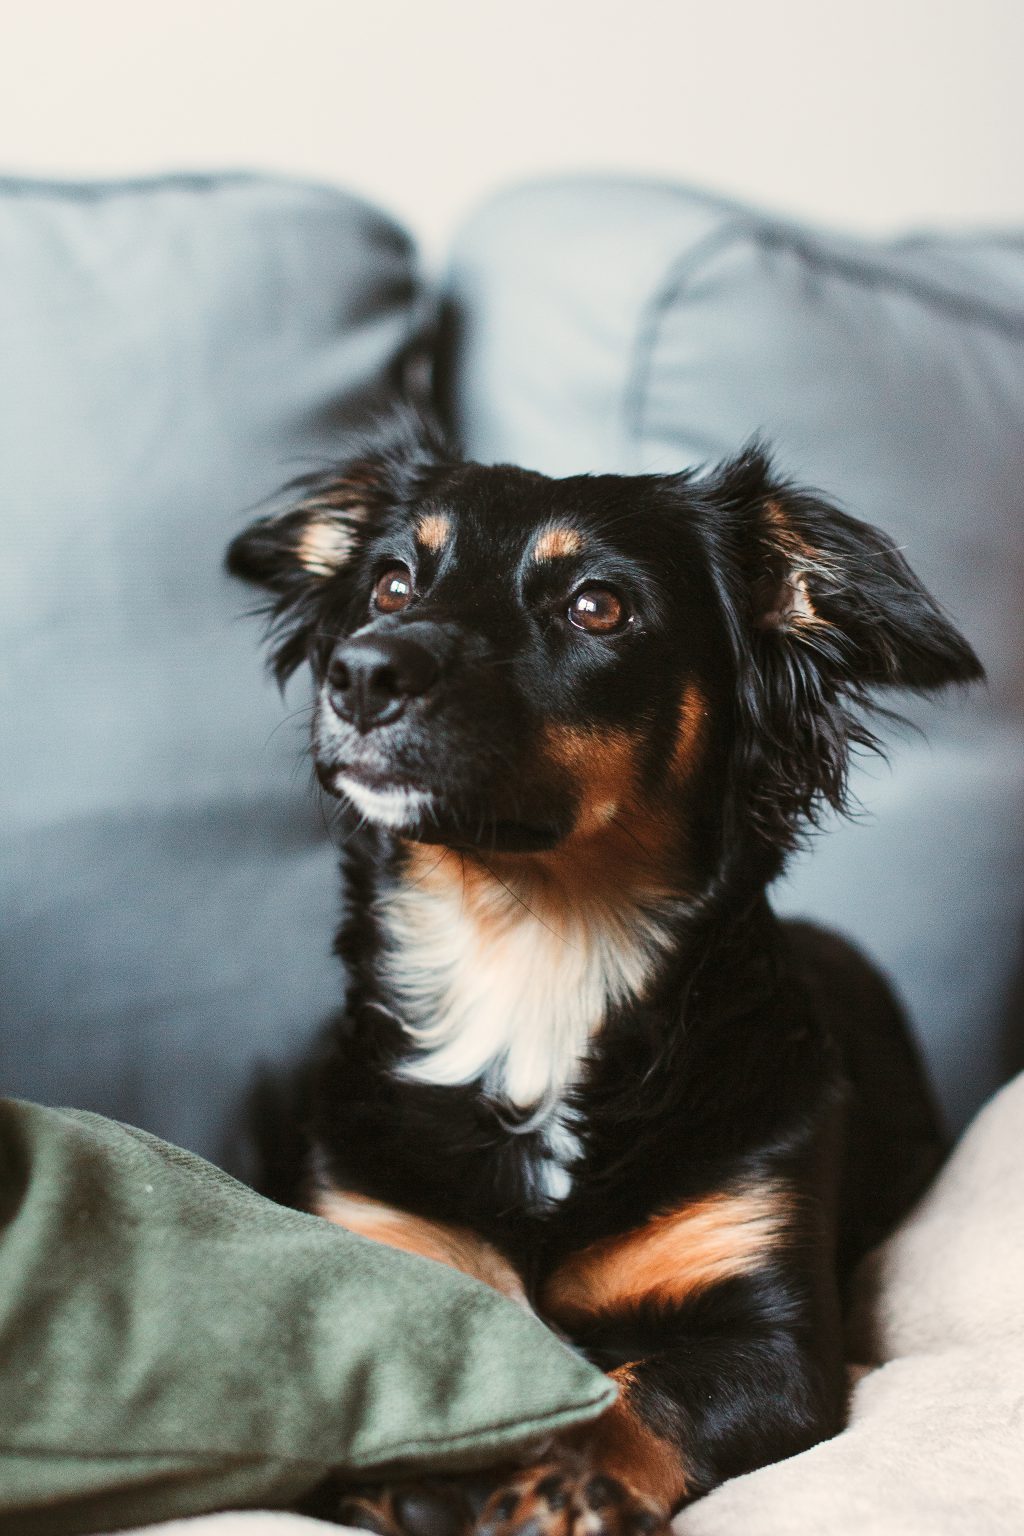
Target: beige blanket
(935,1442)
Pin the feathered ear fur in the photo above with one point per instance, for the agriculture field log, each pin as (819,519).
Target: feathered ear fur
(304,551)
(822,610)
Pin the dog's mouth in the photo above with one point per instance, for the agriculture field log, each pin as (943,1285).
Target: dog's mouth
(398,806)
(425,815)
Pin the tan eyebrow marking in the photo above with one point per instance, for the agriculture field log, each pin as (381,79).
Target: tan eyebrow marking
(673,1256)
(434,530)
(557,542)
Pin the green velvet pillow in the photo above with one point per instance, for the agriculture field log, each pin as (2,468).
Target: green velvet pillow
(172,1343)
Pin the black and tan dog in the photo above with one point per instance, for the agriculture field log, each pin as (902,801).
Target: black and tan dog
(578,725)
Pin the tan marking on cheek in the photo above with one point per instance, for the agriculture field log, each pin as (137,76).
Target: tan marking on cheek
(672,1257)
(601,765)
(556,543)
(431,872)
(433,531)
(455,1246)
(324,547)
(693,714)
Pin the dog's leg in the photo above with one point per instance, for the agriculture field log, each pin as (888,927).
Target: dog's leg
(726,1322)
(458,1247)
(433,1507)
(615,1477)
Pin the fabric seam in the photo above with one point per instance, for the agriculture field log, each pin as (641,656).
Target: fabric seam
(387,1452)
(682,269)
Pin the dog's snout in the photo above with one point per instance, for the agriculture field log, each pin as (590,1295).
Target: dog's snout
(372,678)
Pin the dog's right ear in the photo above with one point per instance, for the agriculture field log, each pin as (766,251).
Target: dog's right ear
(315,538)
(303,553)
(306,549)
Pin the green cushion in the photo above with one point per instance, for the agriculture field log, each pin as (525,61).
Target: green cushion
(172,1343)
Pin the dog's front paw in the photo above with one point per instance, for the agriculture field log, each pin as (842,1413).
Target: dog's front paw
(569,1495)
(406,1509)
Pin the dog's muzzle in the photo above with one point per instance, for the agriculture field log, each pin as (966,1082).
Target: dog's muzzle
(371,679)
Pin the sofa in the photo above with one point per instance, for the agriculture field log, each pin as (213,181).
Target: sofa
(175,349)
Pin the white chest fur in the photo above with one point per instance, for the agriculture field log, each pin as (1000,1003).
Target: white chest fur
(508,986)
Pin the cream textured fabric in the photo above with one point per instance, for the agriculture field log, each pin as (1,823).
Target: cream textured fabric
(242,1522)
(935,1443)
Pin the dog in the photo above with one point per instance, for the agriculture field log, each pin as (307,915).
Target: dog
(577,726)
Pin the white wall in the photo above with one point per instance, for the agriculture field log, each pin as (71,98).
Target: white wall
(873,114)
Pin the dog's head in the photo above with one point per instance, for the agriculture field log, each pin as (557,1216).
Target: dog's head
(510,662)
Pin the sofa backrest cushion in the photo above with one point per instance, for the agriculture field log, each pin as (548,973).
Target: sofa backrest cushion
(634,327)
(173,350)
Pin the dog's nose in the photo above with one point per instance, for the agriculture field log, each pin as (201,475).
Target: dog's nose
(371,678)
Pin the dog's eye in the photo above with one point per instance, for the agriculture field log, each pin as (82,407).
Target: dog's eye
(598,610)
(393,590)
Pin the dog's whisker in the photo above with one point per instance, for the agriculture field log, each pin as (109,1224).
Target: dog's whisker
(628,830)
(524,904)
(306,709)
(415,884)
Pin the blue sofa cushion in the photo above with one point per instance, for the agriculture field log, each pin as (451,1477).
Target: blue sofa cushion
(633,327)
(172,351)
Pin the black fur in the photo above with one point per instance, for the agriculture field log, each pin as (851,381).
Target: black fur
(756,1051)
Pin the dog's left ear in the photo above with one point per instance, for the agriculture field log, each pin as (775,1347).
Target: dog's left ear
(820,579)
(823,610)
